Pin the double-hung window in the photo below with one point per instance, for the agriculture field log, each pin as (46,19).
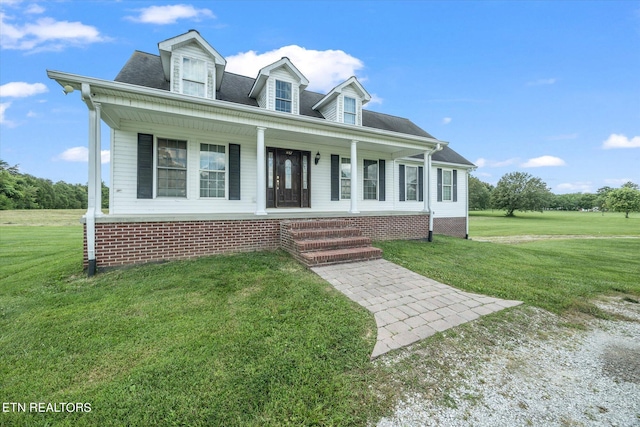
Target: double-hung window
(193,77)
(447,185)
(172,168)
(349,110)
(283,96)
(411,182)
(345,178)
(213,165)
(370,180)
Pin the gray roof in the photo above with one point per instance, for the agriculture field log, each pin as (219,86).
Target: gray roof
(145,69)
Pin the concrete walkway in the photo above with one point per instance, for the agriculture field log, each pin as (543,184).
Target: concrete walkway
(408,307)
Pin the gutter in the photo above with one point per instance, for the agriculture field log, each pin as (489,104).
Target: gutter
(438,147)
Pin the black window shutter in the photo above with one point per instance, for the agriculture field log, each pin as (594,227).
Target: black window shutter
(439,184)
(401,181)
(145,166)
(381,179)
(234,172)
(455,185)
(420,183)
(335,177)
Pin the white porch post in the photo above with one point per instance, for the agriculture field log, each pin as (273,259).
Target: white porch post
(94,178)
(261,180)
(354,177)
(98,159)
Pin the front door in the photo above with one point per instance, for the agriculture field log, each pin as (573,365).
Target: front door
(287,178)
(288,174)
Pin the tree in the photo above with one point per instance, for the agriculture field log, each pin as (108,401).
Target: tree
(624,199)
(520,191)
(479,194)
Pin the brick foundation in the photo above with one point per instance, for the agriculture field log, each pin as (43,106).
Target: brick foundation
(124,243)
(456,227)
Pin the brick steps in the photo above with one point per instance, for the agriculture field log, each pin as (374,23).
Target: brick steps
(325,242)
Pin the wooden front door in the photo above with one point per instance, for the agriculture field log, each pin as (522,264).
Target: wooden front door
(287,178)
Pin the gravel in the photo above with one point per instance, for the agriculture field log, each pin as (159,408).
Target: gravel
(570,378)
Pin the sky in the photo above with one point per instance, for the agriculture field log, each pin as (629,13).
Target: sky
(550,88)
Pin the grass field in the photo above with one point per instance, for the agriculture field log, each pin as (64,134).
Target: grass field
(252,339)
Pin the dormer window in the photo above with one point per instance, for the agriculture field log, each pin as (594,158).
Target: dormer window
(283,96)
(194,77)
(343,104)
(349,110)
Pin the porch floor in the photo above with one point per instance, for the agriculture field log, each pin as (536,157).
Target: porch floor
(407,307)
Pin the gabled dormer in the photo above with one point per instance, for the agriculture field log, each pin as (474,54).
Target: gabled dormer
(343,104)
(278,87)
(191,65)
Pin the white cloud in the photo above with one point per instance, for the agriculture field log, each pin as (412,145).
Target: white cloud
(46,34)
(620,141)
(482,163)
(575,187)
(21,89)
(543,161)
(375,99)
(3,107)
(170,14)
(81,154)
(325,69)
(34,9)
(446,120)
(542,82)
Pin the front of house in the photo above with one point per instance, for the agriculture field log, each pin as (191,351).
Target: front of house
(205,161)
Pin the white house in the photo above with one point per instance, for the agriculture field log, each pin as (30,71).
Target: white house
(205,161)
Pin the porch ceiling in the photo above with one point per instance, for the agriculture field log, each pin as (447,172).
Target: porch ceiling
(114,115)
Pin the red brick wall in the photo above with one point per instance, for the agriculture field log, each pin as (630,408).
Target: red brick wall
(125,243)
(456,227)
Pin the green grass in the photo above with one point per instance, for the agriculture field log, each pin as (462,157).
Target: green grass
(251,339)
(494,223)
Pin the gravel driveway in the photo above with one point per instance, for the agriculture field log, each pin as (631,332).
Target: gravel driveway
(548,375)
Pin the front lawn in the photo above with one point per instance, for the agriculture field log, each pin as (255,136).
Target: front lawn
(251,339)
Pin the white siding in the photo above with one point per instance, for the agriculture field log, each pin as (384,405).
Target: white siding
(124,175)
(449,209)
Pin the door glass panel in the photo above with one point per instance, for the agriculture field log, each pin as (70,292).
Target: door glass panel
(304,172)
(287,174)
(270,170)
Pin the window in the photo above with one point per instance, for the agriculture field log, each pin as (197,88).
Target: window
(370,180)
(283,96)
(349,110)
(345,178)
(213,162)
(193,76)
(172,168)
(447,185)
(411,174)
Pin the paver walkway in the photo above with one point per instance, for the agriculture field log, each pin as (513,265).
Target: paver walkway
(408,307)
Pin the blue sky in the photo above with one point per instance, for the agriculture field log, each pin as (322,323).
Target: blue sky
(547,88)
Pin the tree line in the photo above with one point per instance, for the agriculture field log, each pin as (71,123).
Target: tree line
(24,191)
(518,191)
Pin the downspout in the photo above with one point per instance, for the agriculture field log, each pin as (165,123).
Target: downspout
(90,216)
(427,198)
(466,236)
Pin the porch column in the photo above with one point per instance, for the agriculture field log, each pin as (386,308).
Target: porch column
(261,180)
(354,177)
(94,178)
(98,159)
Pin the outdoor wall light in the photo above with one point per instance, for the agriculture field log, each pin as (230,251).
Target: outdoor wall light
(317,157)
(67,89)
